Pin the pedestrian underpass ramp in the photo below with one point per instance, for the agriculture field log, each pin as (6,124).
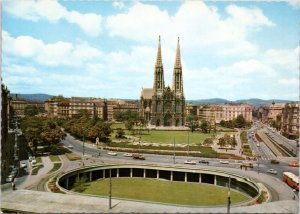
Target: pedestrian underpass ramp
(46,202)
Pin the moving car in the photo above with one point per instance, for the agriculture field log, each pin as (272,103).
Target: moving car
(294,164)
(190,162)
(112,153)
(138,156)
(224,161)
(203,161)
(70,146)
(128,155)
(273,161)
(272,171)
(23,165)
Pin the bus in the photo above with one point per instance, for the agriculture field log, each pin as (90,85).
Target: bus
(291,180)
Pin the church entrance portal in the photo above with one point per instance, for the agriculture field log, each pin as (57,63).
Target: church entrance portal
(167,120)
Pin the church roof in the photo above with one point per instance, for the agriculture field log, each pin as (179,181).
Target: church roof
(147,93)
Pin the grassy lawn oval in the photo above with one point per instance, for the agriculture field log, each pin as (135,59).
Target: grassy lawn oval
(164,191)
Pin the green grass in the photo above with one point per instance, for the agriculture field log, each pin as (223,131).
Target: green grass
(181,137)
(118,125)
(38,160)
(54,158)
(36,169)
(56,166)
(164,191)
(72,156)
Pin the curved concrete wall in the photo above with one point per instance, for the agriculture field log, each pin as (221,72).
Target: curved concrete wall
(215,177)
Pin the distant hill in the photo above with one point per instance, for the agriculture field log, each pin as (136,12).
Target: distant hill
(34,97)
(209,101)
(254,101)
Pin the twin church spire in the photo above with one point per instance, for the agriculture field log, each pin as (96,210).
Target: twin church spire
(159,85)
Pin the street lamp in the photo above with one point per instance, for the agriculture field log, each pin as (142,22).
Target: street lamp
(229,202)
(109,193)
(174,152)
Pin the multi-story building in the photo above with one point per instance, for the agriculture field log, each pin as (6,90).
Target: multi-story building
(216,113)
(290,120)
(164,106)
(272,111)
(18,104)
(6,148)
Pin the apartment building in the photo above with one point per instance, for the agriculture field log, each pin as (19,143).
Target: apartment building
(18,105)
(290,120)
(218,112)
(272,111)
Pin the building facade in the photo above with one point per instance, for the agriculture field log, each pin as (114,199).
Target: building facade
(18,104)
(215,113)
(160,105)
(290,120)
(272,112)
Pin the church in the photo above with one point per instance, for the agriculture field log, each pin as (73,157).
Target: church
(160,105)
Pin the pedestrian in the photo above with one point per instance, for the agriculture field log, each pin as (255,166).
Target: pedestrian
(13,185)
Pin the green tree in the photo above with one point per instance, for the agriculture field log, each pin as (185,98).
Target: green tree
(120,133)
(222,142)
(208,141)
(192,122)
(204,126)
(240,121)
(79,185)
(129,125)
(31,111)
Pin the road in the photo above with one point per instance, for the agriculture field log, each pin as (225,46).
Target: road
(92,151)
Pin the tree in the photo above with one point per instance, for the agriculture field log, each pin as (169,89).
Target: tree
(208,141)
(79,185)
(120,133)
(129,125)
(204,126)
(31,111)
(221,142)
(240,121)
(233,142)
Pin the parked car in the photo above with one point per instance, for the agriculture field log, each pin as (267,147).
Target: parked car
(273,161)
(33,164)
(190,162)
(224,161)
(10,178)
(112,153)
(203,161)
(128,155)
(272,171)
(138,156)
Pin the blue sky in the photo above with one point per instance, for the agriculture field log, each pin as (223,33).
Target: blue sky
(107,49)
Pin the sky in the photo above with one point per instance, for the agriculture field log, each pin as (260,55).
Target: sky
(107,49)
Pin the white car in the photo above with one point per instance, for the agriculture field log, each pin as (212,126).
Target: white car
(70,146)
(23,165)
(272,171)
(33,161)
(224,161)
(33,164)
(190,162)
(10,178)
(112,153)
(128,155)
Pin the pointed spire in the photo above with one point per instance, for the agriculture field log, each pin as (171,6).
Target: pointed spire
(178,60)
(159,58)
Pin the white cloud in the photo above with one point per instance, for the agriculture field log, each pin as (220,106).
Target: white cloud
(200,26)
(53,54)
(292,81)
(118,4)
(52,11)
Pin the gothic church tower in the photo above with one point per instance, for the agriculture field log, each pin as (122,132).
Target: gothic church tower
(164,106)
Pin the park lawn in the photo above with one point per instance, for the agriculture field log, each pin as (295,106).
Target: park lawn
(54,158)
(73,156)
(56,166)
(164,191)
(36,169)
(118,125)
(38,159)
(181,137)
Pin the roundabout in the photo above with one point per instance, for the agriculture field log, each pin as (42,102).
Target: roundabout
(162,184)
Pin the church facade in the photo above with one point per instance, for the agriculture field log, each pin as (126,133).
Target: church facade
(160,105)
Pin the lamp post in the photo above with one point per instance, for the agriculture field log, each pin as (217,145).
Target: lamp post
(83,149)
(229,202)
(188,143)
(174,151)
(109,194)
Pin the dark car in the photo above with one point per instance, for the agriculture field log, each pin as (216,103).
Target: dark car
(273,161)
(203,161)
